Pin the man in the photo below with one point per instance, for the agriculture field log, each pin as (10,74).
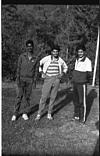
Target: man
(52,68)
(26,75)
(81,73)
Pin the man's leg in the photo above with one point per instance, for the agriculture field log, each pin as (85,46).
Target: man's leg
(76,101)
(27,94)
(82,101)
(53,95)
(45,92)
(19,100)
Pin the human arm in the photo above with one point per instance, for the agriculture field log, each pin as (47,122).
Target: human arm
(35,75)
(41,63)
(89,77)
(41,66)
(89,71)
(64,68)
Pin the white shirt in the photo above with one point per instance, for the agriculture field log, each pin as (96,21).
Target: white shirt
(46,62)
(83,66)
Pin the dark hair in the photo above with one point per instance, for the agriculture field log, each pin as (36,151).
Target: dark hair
(56,47)
(29,42)
(82,47)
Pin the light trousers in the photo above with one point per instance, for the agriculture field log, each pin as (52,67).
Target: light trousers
(50,88)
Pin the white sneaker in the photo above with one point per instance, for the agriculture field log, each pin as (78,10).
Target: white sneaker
(13,118)
(25,117)
(38,117)
(76,118)
(49,117)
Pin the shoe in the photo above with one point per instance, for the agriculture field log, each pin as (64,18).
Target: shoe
(38,117)
(13,118)
(49,117)
(25,117)
(75,118)
(82,121)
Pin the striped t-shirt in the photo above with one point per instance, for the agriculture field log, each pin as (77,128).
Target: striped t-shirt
(53,68)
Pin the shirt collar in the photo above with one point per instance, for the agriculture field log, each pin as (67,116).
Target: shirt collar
(82,59)
(54,58)
(26,55)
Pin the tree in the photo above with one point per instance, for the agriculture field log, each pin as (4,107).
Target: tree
(65,25)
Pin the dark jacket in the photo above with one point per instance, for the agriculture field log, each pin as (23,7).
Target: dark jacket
(82,75)
(26,69)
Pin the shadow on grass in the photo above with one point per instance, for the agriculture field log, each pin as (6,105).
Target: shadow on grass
(64,102)
(90,98)
(58,106)
(96,151)
(68,98)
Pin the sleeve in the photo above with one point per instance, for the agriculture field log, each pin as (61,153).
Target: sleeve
(89,77)
(36,71)
(40,66)
(89,66)
(65,67)
(42,61)
(18,70)
(89,71)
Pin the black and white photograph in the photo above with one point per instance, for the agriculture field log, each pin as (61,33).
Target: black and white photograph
(50,79)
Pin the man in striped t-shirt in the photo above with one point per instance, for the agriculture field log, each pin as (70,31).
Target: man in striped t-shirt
(52,68)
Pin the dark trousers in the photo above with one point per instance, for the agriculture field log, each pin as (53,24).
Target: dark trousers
(79,99)
(24,90)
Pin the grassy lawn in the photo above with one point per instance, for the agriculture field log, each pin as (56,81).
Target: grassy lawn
(60,136)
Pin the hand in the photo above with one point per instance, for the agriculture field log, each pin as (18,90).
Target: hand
(60,76)
(43,75)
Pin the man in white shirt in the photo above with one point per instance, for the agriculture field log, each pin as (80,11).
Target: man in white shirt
(82,70)
(52,68)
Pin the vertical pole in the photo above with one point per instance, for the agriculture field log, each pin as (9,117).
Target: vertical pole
(0,82)
(96,58)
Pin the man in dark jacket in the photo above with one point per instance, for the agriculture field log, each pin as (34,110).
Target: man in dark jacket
(26,75)
(82,70)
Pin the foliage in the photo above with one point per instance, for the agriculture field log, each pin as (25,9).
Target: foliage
(66,25)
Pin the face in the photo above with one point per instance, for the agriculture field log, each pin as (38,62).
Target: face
(80,53)
(29,48)
(55,53)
